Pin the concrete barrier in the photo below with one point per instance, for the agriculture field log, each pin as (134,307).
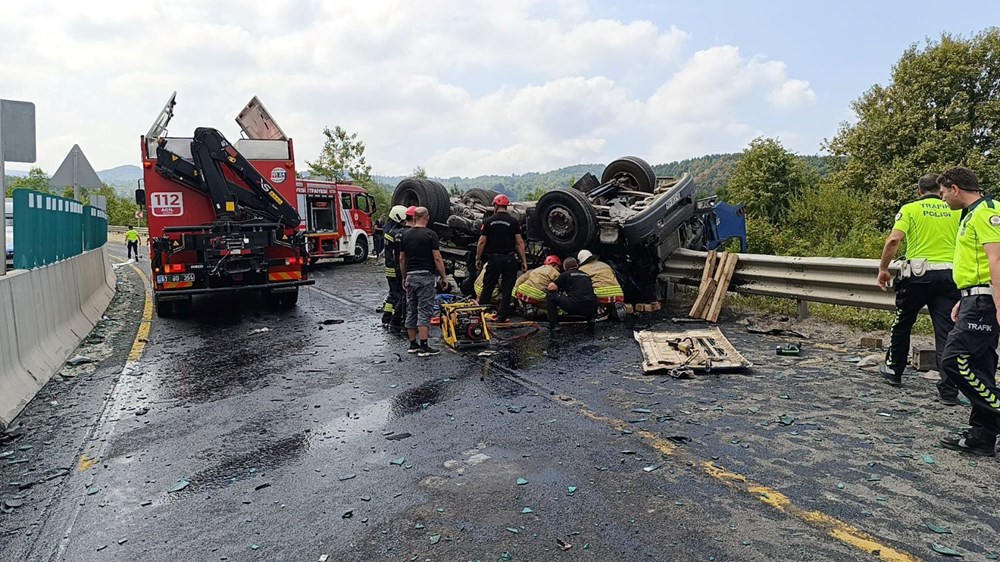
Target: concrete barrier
(44,315)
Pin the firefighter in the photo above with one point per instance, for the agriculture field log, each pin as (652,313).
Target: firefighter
(531,287)
(572,292)
(500,245)
(970,358)
(606,287)
(394,309)
(928,227)
(477,287)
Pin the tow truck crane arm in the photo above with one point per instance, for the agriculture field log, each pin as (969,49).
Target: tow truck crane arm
(210,151)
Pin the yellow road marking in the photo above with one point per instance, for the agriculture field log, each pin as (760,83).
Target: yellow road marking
(142,335)
(839,530)
(86,462)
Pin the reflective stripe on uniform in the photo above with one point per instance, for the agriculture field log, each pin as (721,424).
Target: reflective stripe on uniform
(388,308)
(610,291)
(390,272)
(976,384)
(531,292)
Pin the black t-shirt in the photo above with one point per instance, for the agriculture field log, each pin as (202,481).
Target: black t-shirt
(499,231)
(419,244)
(577,286)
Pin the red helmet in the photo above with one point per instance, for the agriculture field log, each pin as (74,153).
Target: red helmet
(501,201)
(553,260)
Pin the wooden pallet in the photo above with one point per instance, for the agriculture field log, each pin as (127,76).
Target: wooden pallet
(715,279)
(689,351)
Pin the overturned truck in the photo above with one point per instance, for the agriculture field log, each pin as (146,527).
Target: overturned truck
(629,217)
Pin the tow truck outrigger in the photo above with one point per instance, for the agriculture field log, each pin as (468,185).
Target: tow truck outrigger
(216,224)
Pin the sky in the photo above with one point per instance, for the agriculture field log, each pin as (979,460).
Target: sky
(462,87)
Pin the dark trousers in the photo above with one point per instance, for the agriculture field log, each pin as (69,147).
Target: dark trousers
(133,247)
(935,290)
(379,242)
(394,309)
(970,361)
(555,303)
(502,268)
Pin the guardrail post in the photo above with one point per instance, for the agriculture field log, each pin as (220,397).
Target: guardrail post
(803,309)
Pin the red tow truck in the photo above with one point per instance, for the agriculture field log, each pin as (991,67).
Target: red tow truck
(222,216)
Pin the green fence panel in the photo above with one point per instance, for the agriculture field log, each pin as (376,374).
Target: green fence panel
(95,228)
(49,228)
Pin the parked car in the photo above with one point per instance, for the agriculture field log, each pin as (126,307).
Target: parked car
(8,211)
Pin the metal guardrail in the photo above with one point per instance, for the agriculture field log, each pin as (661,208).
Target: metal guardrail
(843,281)
(123,229)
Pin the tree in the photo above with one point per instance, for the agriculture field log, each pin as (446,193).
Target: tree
(342,157)
(36,180)
(419,172)
(767,179)
(941,108)
(454,190)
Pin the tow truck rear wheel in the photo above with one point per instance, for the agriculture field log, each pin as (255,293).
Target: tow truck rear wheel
(566,220)
(282,299)
(164,309)
(638,173)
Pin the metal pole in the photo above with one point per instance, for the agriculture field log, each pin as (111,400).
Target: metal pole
(76,183)
(3,215)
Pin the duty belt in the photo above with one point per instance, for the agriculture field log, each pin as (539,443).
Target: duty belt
(938,266)
(980,290)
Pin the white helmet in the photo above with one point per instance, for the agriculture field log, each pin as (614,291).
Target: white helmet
(584,256)
(398,213)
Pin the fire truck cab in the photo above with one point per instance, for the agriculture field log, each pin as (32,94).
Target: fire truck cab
(337,218)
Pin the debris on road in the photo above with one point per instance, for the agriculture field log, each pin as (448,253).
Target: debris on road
(258,331)
(180,485)
(78,360)
(871,342)
(563,545)
(398,436)
(701,351)
(788,349)
(330,321)
(776,332)
(521,481)
(946,550)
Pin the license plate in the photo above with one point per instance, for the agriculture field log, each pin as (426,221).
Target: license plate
(183,278)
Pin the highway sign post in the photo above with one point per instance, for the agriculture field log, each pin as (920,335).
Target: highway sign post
(17,144)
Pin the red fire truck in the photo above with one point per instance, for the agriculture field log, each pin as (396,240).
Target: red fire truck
(338,219)
(221,215)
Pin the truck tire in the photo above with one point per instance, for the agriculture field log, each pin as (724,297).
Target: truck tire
(639,173)
(443,211)
(483,197)
(164,309)
(360,250)
(424,193)
(566,220)
(281,299)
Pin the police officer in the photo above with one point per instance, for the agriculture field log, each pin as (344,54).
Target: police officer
(500,245)
(394,309)
(928,227)
(970,358)
(132,242)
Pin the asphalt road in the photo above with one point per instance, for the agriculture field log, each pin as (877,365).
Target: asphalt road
(245,433)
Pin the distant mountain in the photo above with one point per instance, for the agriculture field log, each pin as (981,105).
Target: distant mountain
(121,174)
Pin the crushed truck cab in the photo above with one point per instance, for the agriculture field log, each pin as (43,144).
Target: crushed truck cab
(221,215)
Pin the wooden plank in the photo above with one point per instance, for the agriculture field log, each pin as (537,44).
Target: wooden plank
(727,276)
(706,300)
(707,287)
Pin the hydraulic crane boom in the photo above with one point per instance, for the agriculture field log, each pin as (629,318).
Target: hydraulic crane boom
(210,151)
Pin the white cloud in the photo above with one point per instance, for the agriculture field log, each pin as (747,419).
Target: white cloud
(461,87)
